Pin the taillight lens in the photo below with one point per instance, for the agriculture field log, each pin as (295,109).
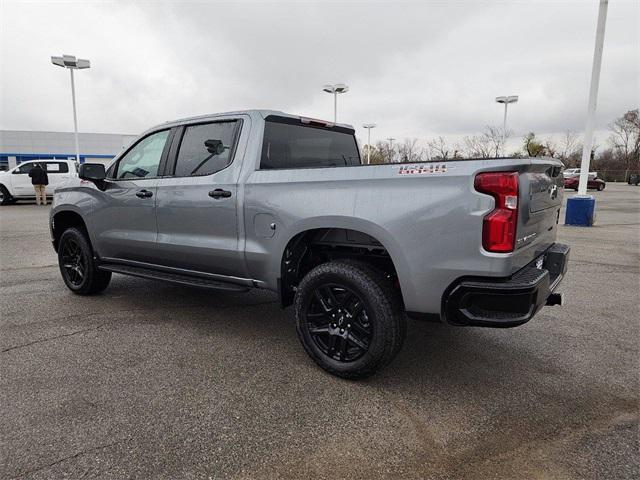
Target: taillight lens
(499,226)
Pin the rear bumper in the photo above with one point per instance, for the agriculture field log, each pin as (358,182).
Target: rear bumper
(511,301)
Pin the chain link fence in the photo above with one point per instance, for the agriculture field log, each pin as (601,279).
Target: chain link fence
(610,175)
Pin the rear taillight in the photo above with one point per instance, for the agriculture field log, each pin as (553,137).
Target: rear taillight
(499,226)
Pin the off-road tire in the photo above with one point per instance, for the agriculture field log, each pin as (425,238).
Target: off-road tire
(92,280)
(383,308)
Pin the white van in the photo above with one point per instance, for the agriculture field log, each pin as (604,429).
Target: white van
(15,184)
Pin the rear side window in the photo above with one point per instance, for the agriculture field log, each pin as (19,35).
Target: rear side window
(206,149)
(57,167)
(287,145)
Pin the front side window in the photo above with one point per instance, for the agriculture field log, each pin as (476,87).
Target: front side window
(143,160)
(206,149)
(25,168)
(288,145)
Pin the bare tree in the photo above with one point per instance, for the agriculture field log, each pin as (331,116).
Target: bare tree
(479,146)
(495,137)
(387,151)
(410,151)
(550,148)
(377,154)
(438,149)
(568,145)
(488,144)
(625,139)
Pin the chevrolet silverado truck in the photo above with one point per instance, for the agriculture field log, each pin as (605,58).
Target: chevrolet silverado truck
(263,199)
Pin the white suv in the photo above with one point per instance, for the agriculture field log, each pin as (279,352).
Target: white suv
(15,184)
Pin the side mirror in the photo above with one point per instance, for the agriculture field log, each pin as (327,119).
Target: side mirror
(94,172)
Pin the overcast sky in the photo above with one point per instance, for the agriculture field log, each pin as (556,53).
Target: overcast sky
(417,69)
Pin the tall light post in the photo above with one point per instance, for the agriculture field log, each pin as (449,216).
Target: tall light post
(506,100)
(593,98)
(335,90)
(72,63)
(390,139)
(581,208)
(369,126)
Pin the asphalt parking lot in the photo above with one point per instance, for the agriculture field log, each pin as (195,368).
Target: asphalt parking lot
(151,380)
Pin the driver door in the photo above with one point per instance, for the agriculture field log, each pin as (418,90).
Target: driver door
(21,181)
(124,220)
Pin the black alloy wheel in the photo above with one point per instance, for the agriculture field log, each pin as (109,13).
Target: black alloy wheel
(338,323)
(349,318)
(78,265)
(73,265)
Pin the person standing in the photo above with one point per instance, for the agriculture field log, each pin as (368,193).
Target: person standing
(39,180)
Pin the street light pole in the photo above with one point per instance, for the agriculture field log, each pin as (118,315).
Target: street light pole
(593,98)
(75,116)
(70,62)
(506,100)
(391,139)
(369,126)
(335,89)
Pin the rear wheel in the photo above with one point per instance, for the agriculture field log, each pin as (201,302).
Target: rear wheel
(349,318)
(77,266)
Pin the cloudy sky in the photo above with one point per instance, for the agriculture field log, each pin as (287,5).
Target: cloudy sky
(417,69)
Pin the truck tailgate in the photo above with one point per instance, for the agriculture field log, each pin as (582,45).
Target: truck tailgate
(540,200)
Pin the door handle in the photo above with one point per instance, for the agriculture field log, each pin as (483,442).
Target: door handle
(219,193)
(144,194)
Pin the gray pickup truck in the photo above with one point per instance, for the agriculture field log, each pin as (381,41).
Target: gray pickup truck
(263,199)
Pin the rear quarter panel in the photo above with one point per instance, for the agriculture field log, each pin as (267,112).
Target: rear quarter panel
(431,224)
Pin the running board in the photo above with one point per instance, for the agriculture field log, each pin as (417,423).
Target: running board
(173,277)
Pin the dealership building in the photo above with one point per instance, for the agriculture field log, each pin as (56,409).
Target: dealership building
(18,146)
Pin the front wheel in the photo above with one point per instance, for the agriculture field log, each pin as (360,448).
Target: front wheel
(5,196)
(349,318)
(77,266)
(600,187)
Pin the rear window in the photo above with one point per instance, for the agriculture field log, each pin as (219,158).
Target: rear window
(290,145)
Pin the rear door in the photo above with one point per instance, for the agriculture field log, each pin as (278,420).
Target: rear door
(57,173)
(197,201)
(124,219)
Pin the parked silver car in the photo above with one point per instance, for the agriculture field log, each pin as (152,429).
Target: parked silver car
(262,199)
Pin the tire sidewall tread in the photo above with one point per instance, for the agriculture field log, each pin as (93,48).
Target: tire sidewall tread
(381,301)
(95,280)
